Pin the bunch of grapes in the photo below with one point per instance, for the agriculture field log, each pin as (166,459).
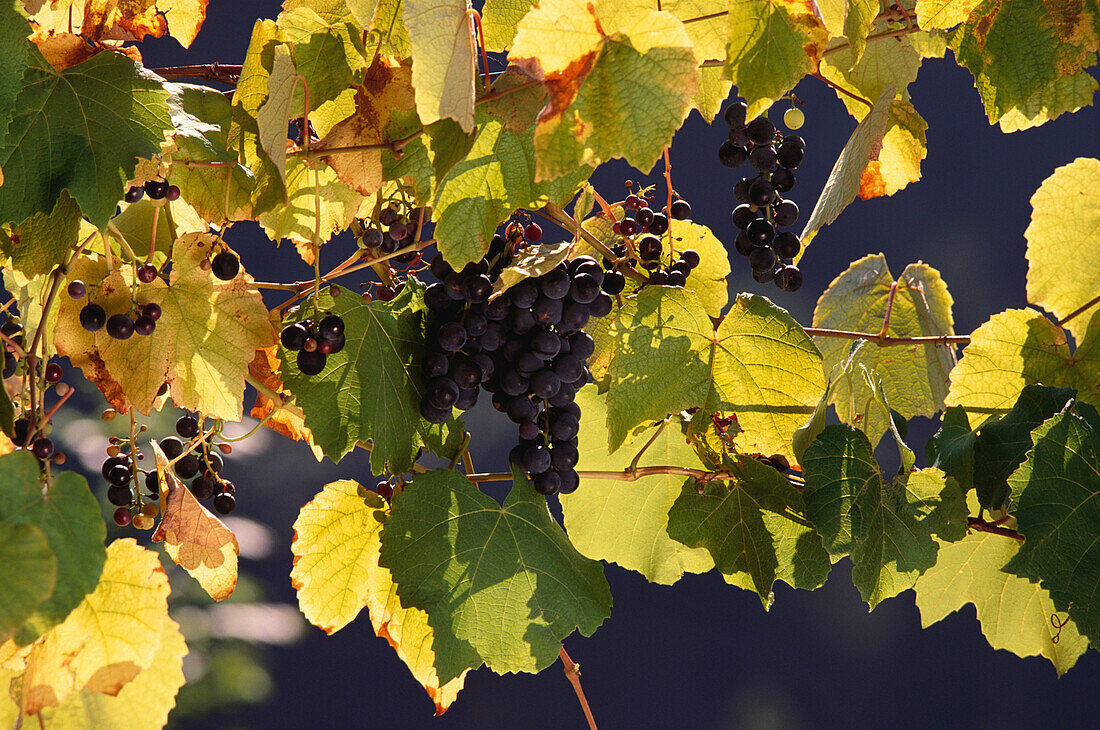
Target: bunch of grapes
(314,342)
(120,326)
(392,231)
(527,347)
(762,209)
(155,189)
(646,229)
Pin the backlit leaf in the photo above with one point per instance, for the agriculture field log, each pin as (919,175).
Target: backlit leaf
(297,220)
(43,241)
(443,62)
(28,573)
(328,52)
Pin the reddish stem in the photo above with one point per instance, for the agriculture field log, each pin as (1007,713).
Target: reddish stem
(572,672)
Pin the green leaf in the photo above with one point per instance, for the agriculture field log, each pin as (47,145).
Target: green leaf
(68,515)
(944,14)
(389,24)
(371,389)
(771,46)
(626,522)
(1015,614)
(274,114)
(706,22)
(844,180)
(29,293)
(951,449)
(914,377)
(883,65)
(327,52)
(532,262)
(1001,445)
(7,414)
(752,524)
(444,66)
(43,241)
(28,574)
(857,25)
(202,118)
(1067,93)
(82,130)
(590,56)
(501,584)
(1015,50)
(668,356)
(886,527)
(1066,207)
(1058,514)
(297,220)
(481,191)
(14,54)
(1013,349)
(712,94)
(499,19)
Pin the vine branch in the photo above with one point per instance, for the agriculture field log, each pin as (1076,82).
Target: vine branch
(572,672)
(884,341)
(225,73)
(817,75)
(979,525)
(1080,310)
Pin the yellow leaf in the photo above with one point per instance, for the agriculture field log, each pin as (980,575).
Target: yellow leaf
(194,537)
(296,220)
(121,20)
(143,704)
(903,148)
(108,639)
(336,574)
(386,87)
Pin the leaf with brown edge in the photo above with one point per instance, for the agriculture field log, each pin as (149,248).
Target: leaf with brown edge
(897,160)
(121,20)
(386,87)
(336,575)
(193,537)
(108,639)
(264,368)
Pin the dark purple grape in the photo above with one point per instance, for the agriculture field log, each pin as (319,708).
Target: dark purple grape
(761,130)
(310,363)
(294,336)
(563,455)
(146,273)
(144,325)
(786,245)
(372,238)
(385,490)
(731,155)
(120,326)
(741,190)
(203,487)
(680,209)
(133,194)
(786,213)
(546,483)
(433,414)
(601,306)
(224,503)
(77,289)
(225,266)
(564,426)
(120,474)
(532,232)
(151,310)
(760,230)
(152,482)
(53,373)
(782,179)
(520,409)
(763,158)
(465,373)
(108,464)
(11,364)
(42,448)
(119,495)
(536,459)
(743,244)
(582,345)
(545,344)
(477,288)
(171,446)
(789,278)
(451,337)
(762,259)
(187,427)
(525,293)
(628,227)
(514,383)
(547,311)
(613,282)
(644,216)
(649,248)
(568,481)
(92,317)
(761,192)
(554,284)
(658,277)
(584,289)
(545,383)
(435,365)
(467,399)
(690,257)
(173,193)
(675,278)
(442,392)
(388,217)
(743,215)
(740,137)
(659,224)
(330,327)
(156,189)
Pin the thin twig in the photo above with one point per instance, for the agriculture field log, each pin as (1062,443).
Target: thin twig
(874,37)
(225,73)
(638,457)
(1080,310)
(889,308)
(890,341)
(979,525)
(817,75)
(395,146)
(572,672)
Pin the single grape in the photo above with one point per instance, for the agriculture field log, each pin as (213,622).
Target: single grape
(310,363)
(731,155)
(77,289)
(564,426)
(187,427)
(528,430)
(762,259)
(225,266)
(467,399)
(156,189)
(520,409)
(122,517)
(601,306)
(203,487)
(172,446)
(743,244)
(388,217)
(690,257)
(433,414)
(442,392)
(399,231)
(760,230)
(741,190)
(146,273)
(547,311)
(465,372)
(789,278)
(173,193)
(451,337)
(294,336)
(42,448)
(742,215)
(187,466)
(628,226)
(613,282)
(477,288)
(525,293)
(787,245)
(330,327)
(659,224)
(119,474)
(152,482)
(680,209)
(761,192)
(793,118)
(224,503)
(92,317)
(108,463)
(782,179)
(385,490)
(151,310)
(532,232)
(120,326)
(545,383)
(554,284)
(568,481)
(790,154)
(658,277)
(761,130)
(763,158)
(632,202)
(563,455)
(144,325)
(133,194)
(736,114)
(215,462)
(372,238)
(675,278)
(546,483)
(644,217)
(649,248)
(53,373)
(786,213)
(536,459)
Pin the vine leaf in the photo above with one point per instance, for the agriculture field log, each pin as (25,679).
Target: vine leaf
(24,551)
(752,524)
(772,45)
(914,377)
(1015,614)
(499,19)
(193,537)
(589,57)
(444,66)
(708,26)
(1066,207)
(626,522)
(328,52)
(532,261)
(844,181)
(69,517)
(668,356)
(944,14)
(501,584)
(952,447)
(53,144)
(708,279)
(122,20)
(14,55)
(371,389)
(479,192)
(143,704)
(1016,348)
(1018,50)
(274,114)
(386,87)
(264,367)
(108,639)
(1068,93)
(336,573)
(43,241)
(205,366)
(886,527)
(903,147)
(1055,495)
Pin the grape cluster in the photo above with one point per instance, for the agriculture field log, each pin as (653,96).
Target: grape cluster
(120,326)
(314,342)
(527,347)
(762,209)
(648,227)
(155,189)
(14,331)
(41,445)
(392,231)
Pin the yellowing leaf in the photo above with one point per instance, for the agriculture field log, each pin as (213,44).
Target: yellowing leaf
(263,367)
(44,240)
(1065,94)
(386,87)
(143,704)
(274,113)
(772,44)
(903,148)
(443,60)
(336,573)
(122,20)
(204,339)
(944,14)
(297,220)
(109,638)
(1015,614)
(1065,212)
(328,52)
(193,537)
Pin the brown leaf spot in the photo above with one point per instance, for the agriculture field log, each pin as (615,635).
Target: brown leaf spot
(871,183)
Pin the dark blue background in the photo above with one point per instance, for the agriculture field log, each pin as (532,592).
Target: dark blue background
(703,654)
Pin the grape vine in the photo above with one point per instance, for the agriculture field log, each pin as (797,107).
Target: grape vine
(678,429)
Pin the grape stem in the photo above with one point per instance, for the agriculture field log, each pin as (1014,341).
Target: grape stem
(638,457)
(1080,310)
(817,75)
(461,452)
(477,41)
(910,27)
(394,146)
(572,672)
(885,331)
(884,341)
(979,525)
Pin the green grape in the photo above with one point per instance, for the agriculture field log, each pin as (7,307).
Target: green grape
(794,118)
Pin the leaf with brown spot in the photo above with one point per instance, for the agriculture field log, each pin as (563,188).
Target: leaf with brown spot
(193,537)
(120,20)
(264,368)
(387,87)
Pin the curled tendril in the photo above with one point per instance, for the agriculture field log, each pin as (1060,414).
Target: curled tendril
(1058,624)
